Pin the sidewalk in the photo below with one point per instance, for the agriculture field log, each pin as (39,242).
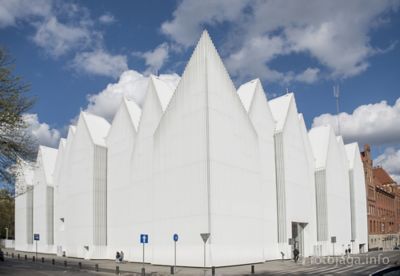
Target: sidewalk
(125,268)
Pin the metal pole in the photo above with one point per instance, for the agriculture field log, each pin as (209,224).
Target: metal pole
(6,233)
(204,255)
(143,254)
(175,253)
(36,249)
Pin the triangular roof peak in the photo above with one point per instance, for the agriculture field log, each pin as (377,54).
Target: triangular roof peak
(134,111)
(48,160)
(280,107)
(163,90)
(97,126)
(352,151)
(319,140)
(246,92)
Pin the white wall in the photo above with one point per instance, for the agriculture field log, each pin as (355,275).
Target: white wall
(299,182)
(120,143)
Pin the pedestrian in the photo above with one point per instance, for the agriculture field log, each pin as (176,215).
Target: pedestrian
(345,252)
(122,256)
(117,257)
(296,254)
(349,250)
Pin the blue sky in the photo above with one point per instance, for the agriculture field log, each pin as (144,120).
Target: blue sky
(83,55)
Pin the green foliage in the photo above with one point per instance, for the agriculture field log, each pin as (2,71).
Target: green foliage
(15,141)
(7,208)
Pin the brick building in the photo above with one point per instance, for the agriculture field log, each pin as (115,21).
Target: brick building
(383,205)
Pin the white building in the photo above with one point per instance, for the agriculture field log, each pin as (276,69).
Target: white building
(359,221)
(24,209)
(201,158)
(295,190)
(332,190)
(43,199)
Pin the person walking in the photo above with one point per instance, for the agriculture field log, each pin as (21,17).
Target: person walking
(117,257)
(296,254)
(121,256)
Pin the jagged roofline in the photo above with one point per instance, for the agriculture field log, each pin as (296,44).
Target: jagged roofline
(291,102)
(205,38)
(83,116)
(125,105)
(318,133)
(44,153)
(352,151)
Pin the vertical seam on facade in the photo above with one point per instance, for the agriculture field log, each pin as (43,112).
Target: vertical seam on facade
(207,144)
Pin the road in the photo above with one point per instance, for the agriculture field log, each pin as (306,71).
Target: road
(362,264)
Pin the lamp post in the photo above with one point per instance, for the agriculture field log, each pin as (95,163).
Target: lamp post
(6,233)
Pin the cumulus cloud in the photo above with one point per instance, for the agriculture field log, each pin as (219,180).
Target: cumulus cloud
(131,85)
(376,124)
(390,161)
(57,38)
(156,58)
(13,11)
(107,18)
(41,132)
(319,29)
(100,62)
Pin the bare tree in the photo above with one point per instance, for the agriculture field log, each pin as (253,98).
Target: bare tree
(15,141)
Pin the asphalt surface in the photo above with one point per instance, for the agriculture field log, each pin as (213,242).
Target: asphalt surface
(362,264)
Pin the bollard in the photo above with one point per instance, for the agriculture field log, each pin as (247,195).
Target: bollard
(172,270)
(26,257)
(252,269)
(80,265)
(33,258)
(53,262)
(96,267)
(65,263)
(143,272)
(117,270)
(213,270)
(42,259)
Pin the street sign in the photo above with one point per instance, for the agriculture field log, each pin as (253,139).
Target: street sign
(205,236)
(144,238)
(333,239)
(176,237)
(36,237)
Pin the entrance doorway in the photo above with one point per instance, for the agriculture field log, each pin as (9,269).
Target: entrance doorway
(298,236)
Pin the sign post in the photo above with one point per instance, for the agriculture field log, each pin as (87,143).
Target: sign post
(36,237)
(205,237)
(175,237)
(333,241)
(144,238)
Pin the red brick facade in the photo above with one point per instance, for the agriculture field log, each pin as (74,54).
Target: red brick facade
(383,204)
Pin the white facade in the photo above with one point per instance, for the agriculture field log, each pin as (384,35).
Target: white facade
(294,179)
(24,209)
(43,199)
(201,158)
(359,221)
(332,190)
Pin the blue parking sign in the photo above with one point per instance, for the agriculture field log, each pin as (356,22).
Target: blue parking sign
(36,237)
(144,238)
(176,237)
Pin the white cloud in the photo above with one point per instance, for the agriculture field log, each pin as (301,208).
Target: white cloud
(376,124)
(131,85)
(186,26)
(100,63)
(390,161)
(107,18)
(336,34)
(42,132)
(57,38)
(12,11)
(310,75)
(155,59)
